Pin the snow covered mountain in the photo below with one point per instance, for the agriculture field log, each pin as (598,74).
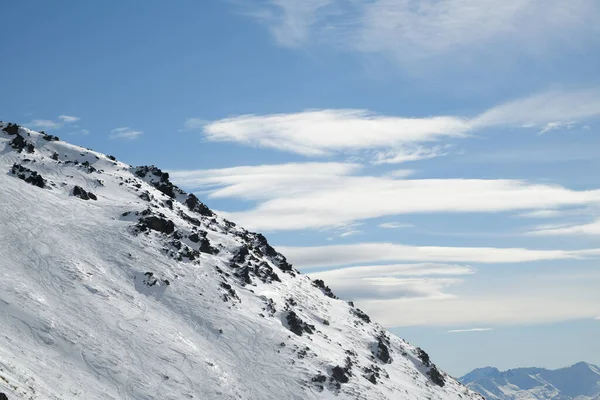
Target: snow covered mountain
(116,284)
(577,382)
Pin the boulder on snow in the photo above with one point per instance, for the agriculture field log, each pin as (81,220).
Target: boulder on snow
(19,144)
(78,191)
(11,129)
(28,175)
(436,376)
(157,224)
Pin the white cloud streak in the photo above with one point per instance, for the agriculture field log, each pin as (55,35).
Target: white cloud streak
(51,124)
(44,124)
(542,214)
(325,132)
(470,330)
(395,225)
(338,255)
(393,281)
(410,30)
(68,118)
(125,133)
(324,195)
(319,133)
(533,305)
(592,228)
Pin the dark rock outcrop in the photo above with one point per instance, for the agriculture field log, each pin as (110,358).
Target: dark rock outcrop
(156,224)
(11,129)
(298,326)
(197,206)
(19,144)
(325,289)
(78,191)
(436,376)
(28,175)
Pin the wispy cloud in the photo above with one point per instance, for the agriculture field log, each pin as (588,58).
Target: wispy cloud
(325,132)
(125,133)
(534,303)
(307,195)
(350,233)
(409,30)
(592,228)
(542,214)
(395,225)
(44,124)
(393,281)
(62,120)
(471,330)
(553,107)
(407,154)
(338,255)
(68,118)
(394,139)
(555,125)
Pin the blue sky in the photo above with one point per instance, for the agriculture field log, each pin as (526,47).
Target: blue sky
(435,161)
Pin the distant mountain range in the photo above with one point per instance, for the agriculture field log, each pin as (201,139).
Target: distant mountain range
(577,382)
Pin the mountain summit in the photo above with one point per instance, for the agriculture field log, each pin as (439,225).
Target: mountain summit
(116,284)
(580,381)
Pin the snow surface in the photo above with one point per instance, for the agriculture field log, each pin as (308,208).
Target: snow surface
(580,381)
(95,304)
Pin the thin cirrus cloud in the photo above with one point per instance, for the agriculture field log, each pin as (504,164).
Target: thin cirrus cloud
(308,195)
(336,255)
(44,124)
(395,225)
(528,303)
(424,280)
(68,118)
(592,228)
(470,330)
(125,133)
(62,120)
(325,132)
(319,133)
(409,30)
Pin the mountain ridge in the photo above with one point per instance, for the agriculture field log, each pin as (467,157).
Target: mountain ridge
(580,381)
(119,285)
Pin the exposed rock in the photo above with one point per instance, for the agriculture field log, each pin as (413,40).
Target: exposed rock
(11,129)
(157,224)
(382,350)
(436,376)
(325,289)
(197,206)
(50,138)
(19,143)
(28,175)
(298,326)
(78,191)
(423,356)
(360,315)
(340,374)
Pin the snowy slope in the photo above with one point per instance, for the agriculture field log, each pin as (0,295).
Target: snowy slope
(117,285)
(580,381)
